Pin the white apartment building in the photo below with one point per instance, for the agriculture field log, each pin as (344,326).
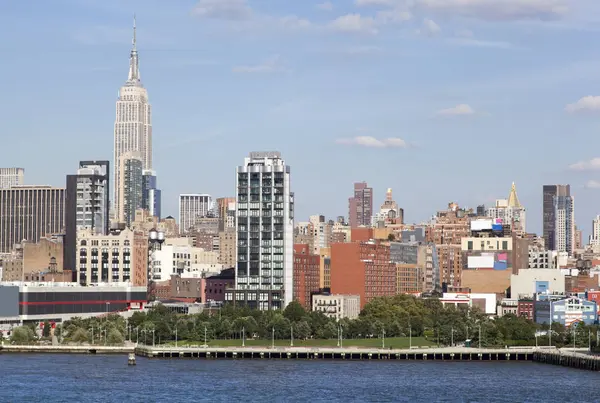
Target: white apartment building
(133,122)
(191,208)
(185,260)
(337,306)
(595,235)
(11,177)
(265,233)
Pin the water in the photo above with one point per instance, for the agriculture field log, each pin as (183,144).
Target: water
(79,378)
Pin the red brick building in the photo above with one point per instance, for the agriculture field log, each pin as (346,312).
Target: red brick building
(525,309)
(216,285)
(307,274)
(362,268)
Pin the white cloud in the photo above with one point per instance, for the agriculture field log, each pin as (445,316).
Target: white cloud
(271,65)
(429,28)
(589,165)
(480,43)
(370,141)
(499,10)
(458,110)
(366,3)
(223,9)
(327,6)
(592,184)
(354,23)
(590,103)
(294,22)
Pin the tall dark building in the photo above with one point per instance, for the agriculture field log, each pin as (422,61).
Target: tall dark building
(558,218)
(87,205)
(150,193)
(360,206)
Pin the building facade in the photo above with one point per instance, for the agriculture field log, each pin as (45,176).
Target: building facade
(151,195)
(360,206)
(191,208)
(265,226)
(509,211)
(29,213)
(133,122)
(307,274)
(121,256)
(558,218)
(567,312)
(130,183)
(87,205)
(11,177)
(217,284)
(337,306)
(364,269)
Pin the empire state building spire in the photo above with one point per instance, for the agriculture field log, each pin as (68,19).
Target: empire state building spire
(134,63)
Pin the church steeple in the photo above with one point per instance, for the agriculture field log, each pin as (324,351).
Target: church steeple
(134,64)
(513,200)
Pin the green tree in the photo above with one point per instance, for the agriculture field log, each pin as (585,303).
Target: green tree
(22,335)
(46,329)
(114,337)
(294,312)
(79,336)
(301,330)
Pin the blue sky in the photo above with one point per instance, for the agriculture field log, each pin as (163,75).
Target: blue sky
(442,100)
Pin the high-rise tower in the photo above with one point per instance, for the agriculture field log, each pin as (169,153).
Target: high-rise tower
(133,124)
(558,218)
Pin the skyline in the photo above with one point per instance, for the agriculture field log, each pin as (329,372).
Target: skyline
(333,80)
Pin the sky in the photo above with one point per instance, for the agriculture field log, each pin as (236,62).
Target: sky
(440,100)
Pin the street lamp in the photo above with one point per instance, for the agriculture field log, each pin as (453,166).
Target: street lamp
(452,336)
(92,329)
(153,337)
(410,337)
(273,337)
(383,338)
(244,336)
(292,336)
(480,335)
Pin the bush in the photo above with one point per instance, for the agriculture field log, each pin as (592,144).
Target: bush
(115,337)
(22,335)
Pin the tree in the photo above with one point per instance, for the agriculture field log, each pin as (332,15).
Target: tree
(79,336)
(114,337)
(391,237)
(294,312)
(301,330)
(22,335)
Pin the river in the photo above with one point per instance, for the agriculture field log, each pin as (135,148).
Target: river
(84,378)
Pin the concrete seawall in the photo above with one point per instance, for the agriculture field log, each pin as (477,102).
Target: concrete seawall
(67,349)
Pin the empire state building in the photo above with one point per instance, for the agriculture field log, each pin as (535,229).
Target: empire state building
(133,127)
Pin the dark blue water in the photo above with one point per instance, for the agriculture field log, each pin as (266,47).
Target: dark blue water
(78,378)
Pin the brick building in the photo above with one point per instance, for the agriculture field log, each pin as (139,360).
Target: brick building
(216,285)
(364,269)
(307,274)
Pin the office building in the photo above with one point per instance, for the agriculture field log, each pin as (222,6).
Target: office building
(11,177)
(558,218)
(133,123)
(29,213)
(265,226)
(87,205)
(389,213)
(121,256)
(191,208)
(595,235)
(130,183)
(151,195)
(360,206)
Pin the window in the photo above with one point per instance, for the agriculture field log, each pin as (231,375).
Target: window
(470,245)
(504,245)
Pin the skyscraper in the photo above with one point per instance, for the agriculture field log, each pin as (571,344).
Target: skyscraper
(595,235)
(360,205)
(265,233)
(558,218)
(191,208)
(87,206)
(11,177)
(151,195)
(29,213)
(133,124)
(130,187)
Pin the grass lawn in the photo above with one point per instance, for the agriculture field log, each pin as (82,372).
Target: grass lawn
(393,342)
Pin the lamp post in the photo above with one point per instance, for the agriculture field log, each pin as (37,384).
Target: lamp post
(244,336)
(383,338)
(410,337)
(574,334)
(273,337)
(338,329)
(341,336)
(292,336)
(137,334)
(105,333)
(153,337)
(92,329)
(480,335)
(175,335)
(205,343)
(452,336)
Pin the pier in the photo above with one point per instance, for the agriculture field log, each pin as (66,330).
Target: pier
(332,353)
